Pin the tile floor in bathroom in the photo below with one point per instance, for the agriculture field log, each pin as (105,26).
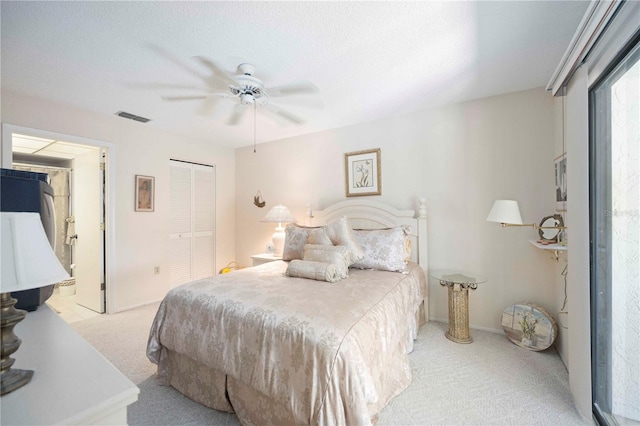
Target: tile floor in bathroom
(68,309)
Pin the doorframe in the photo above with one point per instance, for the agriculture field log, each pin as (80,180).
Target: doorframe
(110,205)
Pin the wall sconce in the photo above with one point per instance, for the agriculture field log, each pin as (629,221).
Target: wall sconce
(507,213)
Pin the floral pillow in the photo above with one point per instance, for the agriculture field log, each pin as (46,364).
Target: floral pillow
(384,249)
(340,233)
(297,236)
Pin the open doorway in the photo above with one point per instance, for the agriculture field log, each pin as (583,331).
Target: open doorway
(77,171)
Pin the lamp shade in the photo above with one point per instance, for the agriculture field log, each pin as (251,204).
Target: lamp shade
(278,214)
(28,261)
(505,211)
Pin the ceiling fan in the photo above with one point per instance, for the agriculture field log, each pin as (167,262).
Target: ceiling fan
(249,90)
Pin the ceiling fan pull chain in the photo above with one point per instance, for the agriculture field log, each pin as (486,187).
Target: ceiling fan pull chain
(254,127)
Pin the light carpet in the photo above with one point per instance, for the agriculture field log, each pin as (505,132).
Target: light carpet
(488,382)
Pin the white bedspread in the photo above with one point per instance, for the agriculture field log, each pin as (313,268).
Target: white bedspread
(324,349)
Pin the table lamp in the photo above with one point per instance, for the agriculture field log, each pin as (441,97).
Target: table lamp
(278,214)
(28,262)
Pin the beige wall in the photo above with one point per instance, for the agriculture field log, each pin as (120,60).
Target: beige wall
(460,158)
(141,239)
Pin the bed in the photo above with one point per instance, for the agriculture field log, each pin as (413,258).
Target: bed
(281,350)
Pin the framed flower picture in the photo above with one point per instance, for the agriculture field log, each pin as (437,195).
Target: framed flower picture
(560,164)
(144,189)
(362,173)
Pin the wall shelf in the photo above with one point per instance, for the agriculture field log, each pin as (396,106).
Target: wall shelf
(554,247)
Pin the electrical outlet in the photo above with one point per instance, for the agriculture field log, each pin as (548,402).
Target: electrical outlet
(269,248)
(156,270)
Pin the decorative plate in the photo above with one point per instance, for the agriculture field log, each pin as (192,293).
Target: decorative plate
(529,326)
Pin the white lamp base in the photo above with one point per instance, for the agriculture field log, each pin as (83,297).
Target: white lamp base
(278,240)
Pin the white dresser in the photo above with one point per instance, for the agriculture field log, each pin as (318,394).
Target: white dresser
(73,383)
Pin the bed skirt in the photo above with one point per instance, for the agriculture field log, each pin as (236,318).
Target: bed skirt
(214,389)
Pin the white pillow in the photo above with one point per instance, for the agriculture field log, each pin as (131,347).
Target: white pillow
(340,233)
(319,271)
(384,249)
(335,255)
(319,236)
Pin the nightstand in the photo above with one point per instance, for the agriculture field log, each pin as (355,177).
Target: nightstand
(259,259)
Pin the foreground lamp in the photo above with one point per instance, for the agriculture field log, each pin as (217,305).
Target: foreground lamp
(507,213)
(278,214)
(28,262)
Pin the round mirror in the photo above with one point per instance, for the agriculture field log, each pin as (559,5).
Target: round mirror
(548,228)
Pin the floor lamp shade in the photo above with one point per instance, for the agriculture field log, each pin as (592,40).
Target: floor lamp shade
(28,262)
(278,214)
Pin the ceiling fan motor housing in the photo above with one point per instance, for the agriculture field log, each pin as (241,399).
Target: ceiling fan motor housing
(249,88)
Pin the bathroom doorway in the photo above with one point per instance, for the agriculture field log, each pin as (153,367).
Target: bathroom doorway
(77,170)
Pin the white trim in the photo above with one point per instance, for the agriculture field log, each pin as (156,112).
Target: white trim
(595,19)
(9,129)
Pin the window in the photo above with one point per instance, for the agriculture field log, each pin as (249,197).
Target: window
(615,241)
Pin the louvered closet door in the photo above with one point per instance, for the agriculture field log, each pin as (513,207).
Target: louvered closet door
(203,221)
(191,238)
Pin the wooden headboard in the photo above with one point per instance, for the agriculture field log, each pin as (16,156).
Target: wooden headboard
(368,214)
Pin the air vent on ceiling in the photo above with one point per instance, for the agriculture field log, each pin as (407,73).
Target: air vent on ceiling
(132,117)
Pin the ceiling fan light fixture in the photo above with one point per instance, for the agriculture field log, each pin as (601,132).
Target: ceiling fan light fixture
(247,99)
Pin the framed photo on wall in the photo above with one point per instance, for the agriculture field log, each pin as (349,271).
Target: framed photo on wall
(145,189)
(560,165)
(362,173)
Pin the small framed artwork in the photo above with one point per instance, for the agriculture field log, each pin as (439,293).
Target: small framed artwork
(145,188)
(362,173)
(560,165)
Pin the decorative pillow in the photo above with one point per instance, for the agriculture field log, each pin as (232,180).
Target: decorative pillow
(319,236)
(384,249)
(319,271)
(336,255)
(340,233)
(295,238)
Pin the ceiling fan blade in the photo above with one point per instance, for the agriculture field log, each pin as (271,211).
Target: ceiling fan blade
(168,55)
(218,72)
(184,98)
(208,107)
(291,89)
(280,113)
(159,85)
(238,112)
(299,101)
(197,97)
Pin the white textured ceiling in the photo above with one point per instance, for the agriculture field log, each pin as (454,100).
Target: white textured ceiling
(369,60)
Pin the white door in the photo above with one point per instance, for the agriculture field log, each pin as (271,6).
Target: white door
(88,254)
(192,222)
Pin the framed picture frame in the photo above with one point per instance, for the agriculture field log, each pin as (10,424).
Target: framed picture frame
(560,167)
(145,190)
(362,173)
